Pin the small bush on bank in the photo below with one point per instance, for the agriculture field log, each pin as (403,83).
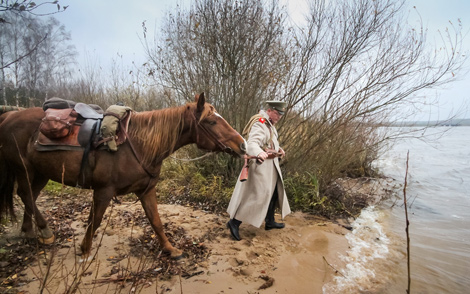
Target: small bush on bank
(195,184)
(304,192)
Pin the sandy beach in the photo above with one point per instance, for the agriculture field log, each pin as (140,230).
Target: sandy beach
(298,259)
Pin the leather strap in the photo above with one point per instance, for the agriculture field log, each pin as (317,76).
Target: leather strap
(152,175)
(208,133)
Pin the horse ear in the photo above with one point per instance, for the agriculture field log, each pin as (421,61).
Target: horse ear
(200,102)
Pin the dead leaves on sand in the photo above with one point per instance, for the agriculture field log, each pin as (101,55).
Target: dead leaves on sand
(268,282)
(147,245)
(63,215)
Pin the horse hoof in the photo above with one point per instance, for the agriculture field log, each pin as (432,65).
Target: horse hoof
(176,254)
(46,241)
(178,257)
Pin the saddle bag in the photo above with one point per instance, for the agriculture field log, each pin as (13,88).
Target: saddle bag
(58,122)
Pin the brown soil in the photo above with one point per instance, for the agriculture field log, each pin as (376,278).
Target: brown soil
(298,259)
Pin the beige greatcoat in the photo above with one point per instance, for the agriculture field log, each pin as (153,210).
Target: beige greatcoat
(250,199)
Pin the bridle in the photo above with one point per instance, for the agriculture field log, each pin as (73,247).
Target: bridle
(208,133)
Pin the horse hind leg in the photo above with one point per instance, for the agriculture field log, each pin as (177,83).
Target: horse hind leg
(150,205)
(29,194)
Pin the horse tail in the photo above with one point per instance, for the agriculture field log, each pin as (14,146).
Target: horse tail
(7,177)
(7,184)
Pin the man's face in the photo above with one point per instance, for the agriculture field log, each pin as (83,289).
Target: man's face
(274,116)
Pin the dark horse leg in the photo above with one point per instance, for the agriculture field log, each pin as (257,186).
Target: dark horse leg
(28,193)
(101,199)
(149,203)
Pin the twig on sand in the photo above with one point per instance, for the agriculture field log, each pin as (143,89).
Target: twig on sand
(114,278)
(181,284)
(336,271)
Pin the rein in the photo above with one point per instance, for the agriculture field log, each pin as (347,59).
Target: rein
(220,143)
(208,133)
(271,155)
(192,159)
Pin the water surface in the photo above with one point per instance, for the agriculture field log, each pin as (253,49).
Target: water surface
(438,193)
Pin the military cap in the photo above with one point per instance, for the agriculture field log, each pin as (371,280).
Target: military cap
(279,106)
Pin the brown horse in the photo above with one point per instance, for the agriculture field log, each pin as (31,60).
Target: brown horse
(153,135)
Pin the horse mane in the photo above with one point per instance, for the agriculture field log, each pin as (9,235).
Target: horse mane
(158,131)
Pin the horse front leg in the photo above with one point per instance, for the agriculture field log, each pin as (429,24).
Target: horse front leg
(101,201)
(150,205)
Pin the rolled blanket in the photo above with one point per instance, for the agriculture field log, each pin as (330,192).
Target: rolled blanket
(110,124)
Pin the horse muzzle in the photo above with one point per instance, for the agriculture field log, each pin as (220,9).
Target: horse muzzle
(243,146)
(241,152)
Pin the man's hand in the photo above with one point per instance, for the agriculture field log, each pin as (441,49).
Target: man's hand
(263,155)
(283,153)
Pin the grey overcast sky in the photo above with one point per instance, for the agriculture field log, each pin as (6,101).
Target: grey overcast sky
(102,29)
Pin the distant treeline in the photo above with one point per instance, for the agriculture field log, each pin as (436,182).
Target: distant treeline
(455,122)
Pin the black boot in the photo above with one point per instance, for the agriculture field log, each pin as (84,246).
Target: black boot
(233,225)
(270,223)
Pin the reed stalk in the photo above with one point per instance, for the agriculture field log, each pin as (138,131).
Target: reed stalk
(408,290)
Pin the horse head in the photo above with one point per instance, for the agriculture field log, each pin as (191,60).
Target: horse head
(213,133)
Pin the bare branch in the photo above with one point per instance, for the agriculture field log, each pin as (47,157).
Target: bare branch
(25,55)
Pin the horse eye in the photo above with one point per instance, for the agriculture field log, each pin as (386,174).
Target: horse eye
(212,122)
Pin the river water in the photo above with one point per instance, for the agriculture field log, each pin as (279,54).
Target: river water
(438,196)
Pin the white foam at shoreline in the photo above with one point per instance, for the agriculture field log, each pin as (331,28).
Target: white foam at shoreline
(368,243)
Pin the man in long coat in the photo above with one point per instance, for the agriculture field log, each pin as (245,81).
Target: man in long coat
(254,200)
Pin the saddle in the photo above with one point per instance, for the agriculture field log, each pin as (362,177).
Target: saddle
(68,125)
